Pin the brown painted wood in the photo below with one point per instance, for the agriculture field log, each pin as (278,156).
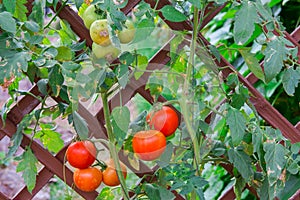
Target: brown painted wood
(46,158)
(42,179)
(3,196)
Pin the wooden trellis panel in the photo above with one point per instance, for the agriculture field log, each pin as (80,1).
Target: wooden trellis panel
(53,165)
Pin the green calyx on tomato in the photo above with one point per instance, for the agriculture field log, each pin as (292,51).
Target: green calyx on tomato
(88,179)
(149,145)
(164,120)
(81,154)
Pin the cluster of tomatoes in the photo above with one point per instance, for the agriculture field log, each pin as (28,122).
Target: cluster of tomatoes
(95,20)
(150,144)
(147,145)
(82,155)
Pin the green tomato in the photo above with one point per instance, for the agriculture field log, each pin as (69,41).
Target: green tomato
(109,52)
(127,34)
(91,14)
(99,32)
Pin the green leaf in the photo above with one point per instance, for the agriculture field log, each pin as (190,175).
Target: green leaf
(29,169)
(141,9)
(165,158)
(50,139)
(106,194)
(121,115)
(155,85)
(78,3)
(66,32)
(144,28)
(43,85)
(155,192)
(198,183)
(122,73)
(292,185)
(295,148)
(266,191)
(56,79)
(138,123)
(10,5)
(257,140)
(32,26)
(293,168)
(290,80)
(239,97)
(244,24)
(237,125)
(172,14)
(21,10)
(38,12)
(196,3)
(239,186)
(7,22)
(275,160)
(141,65)
(275,54)
(18,137)
(64,54)
(80,126)
(242,162)
(215,52)
(252,63)
(14,65)
(120,122)
(152,191)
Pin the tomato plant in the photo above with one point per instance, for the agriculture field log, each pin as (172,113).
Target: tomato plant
(110,177)
(164,120)
(211,70)
(81,154)
(149,144)
(88,179)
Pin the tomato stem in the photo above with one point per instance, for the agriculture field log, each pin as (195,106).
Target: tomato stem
(112,147)
(186,87)
(101,164)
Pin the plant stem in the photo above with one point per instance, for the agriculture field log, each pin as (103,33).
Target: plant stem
(112,147)
(186,86)
(56,14)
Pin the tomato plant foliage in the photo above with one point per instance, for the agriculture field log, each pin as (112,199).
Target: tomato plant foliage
(219,125)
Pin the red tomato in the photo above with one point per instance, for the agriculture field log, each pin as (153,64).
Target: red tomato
(88,179)
(149,145)
(110,176)
(164,120)
(81,154)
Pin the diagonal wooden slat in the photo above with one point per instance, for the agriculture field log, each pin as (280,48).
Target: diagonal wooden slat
(42,179)
(46,158)
(3,196)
